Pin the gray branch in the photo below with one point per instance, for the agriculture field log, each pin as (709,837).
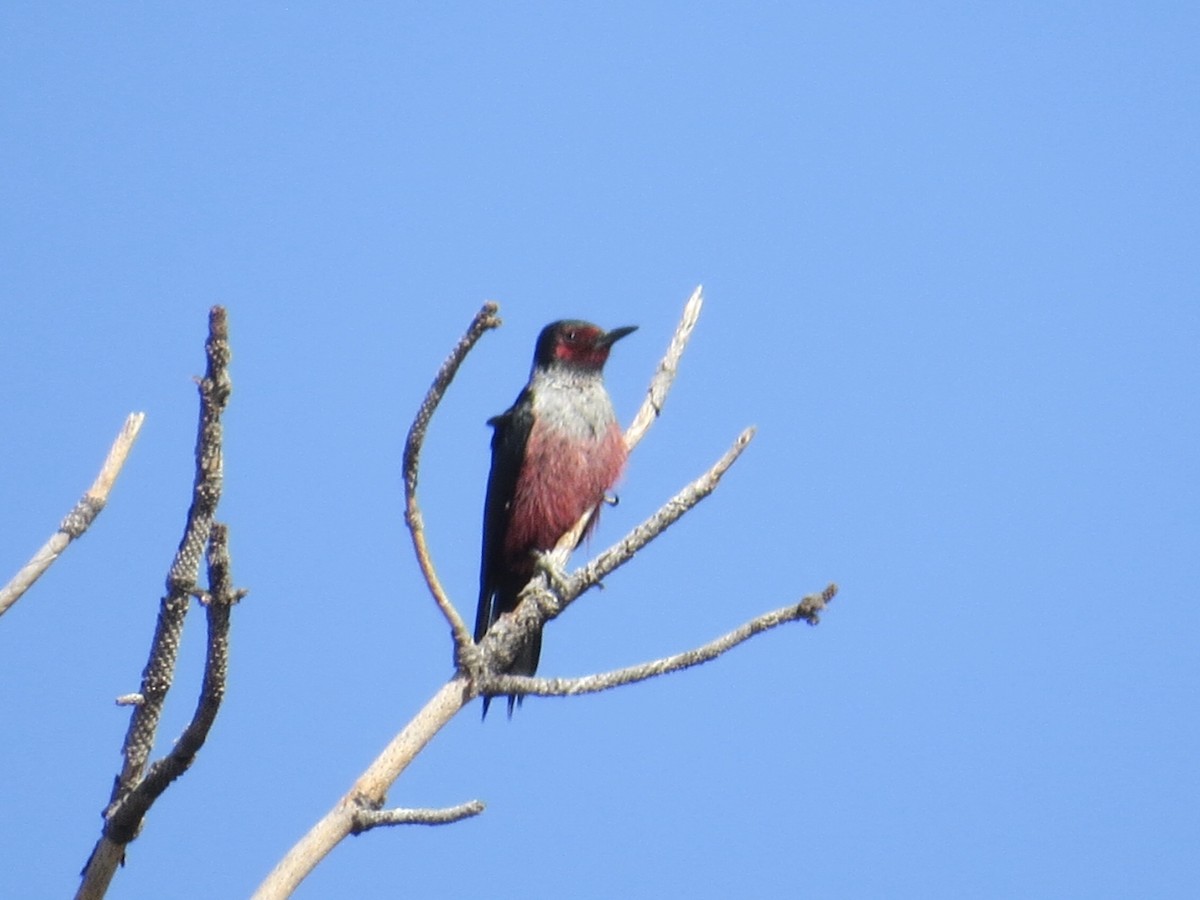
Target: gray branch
(135,789)
(125,818)
(484,320)
(366,819)
(808,610)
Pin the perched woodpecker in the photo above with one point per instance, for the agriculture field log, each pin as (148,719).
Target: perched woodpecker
(555,454)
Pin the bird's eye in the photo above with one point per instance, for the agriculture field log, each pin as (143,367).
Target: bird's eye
(572,336)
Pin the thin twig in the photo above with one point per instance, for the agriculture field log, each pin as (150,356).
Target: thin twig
(591,573)
(159,673)
(366,819)
(484,320)
(664,377)
(79,518)
(808,610)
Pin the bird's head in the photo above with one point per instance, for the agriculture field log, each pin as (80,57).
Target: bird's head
(577,344)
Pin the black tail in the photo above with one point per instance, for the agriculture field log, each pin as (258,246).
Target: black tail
(526,663)
(513,701)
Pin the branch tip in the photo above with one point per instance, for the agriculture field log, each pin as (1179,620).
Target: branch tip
(366,819)
(806,610)
(81,516)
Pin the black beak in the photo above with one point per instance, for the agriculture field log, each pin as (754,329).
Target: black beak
(611,337)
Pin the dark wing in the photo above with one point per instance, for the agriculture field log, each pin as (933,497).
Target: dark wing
(508,452)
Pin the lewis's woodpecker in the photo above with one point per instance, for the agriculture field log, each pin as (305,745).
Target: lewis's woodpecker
(555,453)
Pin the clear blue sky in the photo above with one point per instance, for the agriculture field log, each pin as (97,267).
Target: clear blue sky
(950,258)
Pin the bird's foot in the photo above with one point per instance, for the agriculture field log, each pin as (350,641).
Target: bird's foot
(555,574)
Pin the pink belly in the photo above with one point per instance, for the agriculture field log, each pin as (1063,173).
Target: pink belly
(561,479)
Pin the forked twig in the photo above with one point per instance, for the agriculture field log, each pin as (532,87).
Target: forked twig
(135,789)
(218,600)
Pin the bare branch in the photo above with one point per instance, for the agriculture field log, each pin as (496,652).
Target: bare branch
(808,610)
(159,673)
(620,553)
(368,793)
(79,518)
(656,396)
(214,388)
(484,320)
(664,377)
(125,818)
(366,819)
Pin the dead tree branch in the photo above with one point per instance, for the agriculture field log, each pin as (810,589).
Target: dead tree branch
(218,601)
(369,792)
(366,819)
(621,552)
(664,376)
(484,321)
(808,609)
(135,789)
(79,518)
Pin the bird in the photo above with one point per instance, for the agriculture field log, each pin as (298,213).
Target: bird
(556,453)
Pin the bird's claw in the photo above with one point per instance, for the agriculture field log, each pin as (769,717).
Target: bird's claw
(544,562)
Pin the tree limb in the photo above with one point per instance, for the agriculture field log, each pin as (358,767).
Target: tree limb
(485,320)
(125,818)
(79,518)
(808,609)
(181,584)
(366,819)
(369,792)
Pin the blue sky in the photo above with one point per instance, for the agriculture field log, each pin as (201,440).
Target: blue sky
(949,255)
